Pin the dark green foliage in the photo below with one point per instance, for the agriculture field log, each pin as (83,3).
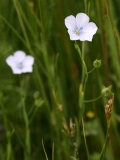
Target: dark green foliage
(37,27)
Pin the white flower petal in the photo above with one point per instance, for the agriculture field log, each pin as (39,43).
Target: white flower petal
(90,28)
(11,61)
(70,22)
(20,63)
(81,19)
(73,36)
(16,70)
(80,27)
(27,69)
(88,31)
(28,61)
(19,56)
(85,37)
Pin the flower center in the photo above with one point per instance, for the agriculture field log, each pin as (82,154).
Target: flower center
(20,65)
(78,31)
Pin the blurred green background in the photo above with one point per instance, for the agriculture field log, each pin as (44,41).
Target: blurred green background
(37,27)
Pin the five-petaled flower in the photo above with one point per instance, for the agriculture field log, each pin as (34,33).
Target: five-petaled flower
(80,28)
(20,63)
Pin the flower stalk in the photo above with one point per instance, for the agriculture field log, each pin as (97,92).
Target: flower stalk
(27,130)
(88,155)
(26,121)
(83,81)
(79,28)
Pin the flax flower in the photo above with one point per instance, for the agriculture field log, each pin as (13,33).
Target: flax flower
(20,62)
(79,27)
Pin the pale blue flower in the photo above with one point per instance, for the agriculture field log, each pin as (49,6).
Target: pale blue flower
(80,28)
(20,63)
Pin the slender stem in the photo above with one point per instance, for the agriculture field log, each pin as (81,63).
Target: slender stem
(45,54)
(53,152)
(102,155)
(32,116)
(27,130)
(84,68)
(9,148)
(26,120)
(85,1)
(83,50)
(31,110)
(88,156)
(12,28)
(92,100)
(82,86)
(83,81)
(44,151)
(91,71)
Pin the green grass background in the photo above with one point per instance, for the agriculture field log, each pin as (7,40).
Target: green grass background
(37,27)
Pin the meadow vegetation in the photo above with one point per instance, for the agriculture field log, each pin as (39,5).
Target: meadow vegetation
(67,108)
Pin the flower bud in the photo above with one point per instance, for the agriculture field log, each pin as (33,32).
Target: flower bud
(36,95)
(106,91)
(97,63)
(38,102)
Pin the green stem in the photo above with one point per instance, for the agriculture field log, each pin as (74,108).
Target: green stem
(83,83)
(12,28)
(44,151)
(84,68)
(53,152)
(88,155)
(32,116)
(27,130)
(45,54)
(102,155)
(92,100)
(82,86)
(83,51)
(85,1)
(91,71)
(26,120)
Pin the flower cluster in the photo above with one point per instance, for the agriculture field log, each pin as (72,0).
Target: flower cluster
(79,27)
(20,63)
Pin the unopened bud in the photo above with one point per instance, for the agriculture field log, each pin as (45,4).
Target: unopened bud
(36,95)
(106,91)
(38,102)
(97,63)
